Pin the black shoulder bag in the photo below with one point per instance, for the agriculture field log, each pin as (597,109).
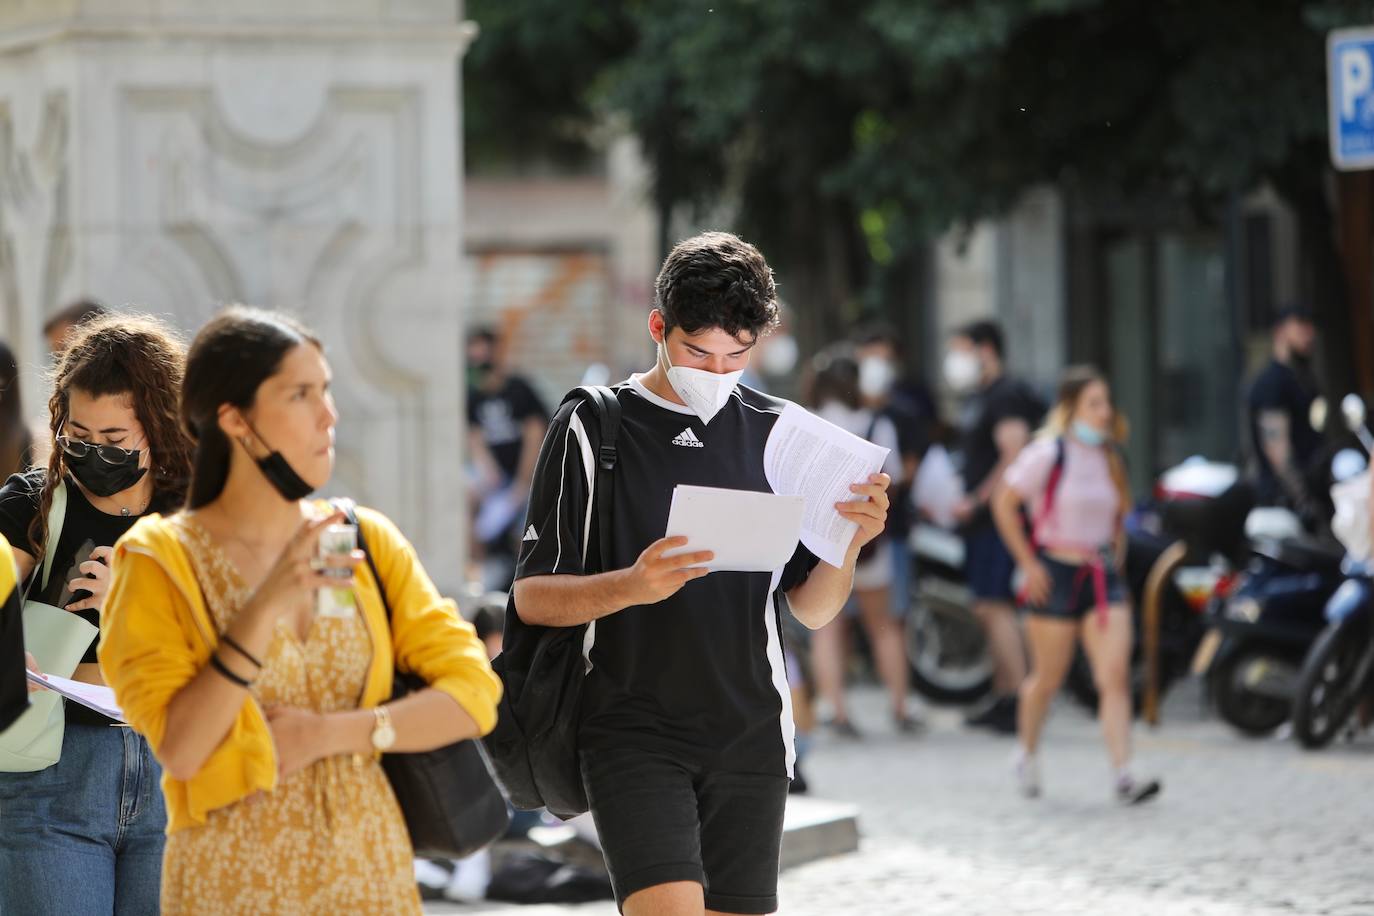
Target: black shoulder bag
(534,745)
(452,805)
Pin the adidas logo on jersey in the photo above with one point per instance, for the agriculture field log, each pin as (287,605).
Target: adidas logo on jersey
(530,535)
(688,439)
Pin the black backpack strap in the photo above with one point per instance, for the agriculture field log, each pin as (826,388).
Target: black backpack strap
(872,426)
(606,406)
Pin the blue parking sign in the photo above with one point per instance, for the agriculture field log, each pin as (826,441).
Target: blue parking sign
(1350,97)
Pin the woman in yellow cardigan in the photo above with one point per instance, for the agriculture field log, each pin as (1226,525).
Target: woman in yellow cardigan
(269,718)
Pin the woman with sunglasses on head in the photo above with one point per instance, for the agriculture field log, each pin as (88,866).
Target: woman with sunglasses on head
(268,711)
(85,835)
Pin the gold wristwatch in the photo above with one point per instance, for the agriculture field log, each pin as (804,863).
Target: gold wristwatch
(383,733)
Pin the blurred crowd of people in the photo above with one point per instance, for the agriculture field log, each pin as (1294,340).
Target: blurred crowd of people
(865,385)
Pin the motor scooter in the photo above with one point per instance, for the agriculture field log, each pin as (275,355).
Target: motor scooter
(1335,689)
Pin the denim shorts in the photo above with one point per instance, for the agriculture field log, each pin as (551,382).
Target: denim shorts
(663,819)
(1073,591)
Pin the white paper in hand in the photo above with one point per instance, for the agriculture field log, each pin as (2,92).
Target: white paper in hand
(92,696)
(807,456)
(747,531)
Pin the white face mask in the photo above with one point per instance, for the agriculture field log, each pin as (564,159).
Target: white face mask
(876,376)
(963,372)
(705,393)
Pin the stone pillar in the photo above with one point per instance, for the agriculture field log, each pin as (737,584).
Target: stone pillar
(173,156)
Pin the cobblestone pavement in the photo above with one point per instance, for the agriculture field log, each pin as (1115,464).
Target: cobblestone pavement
(1244,827)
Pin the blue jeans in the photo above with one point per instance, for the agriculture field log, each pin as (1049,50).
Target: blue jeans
(85,835)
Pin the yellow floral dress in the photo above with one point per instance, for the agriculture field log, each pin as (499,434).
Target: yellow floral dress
(331,838)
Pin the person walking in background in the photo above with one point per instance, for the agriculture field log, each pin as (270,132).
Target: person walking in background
(1284,444)
(835,397)
(905,401)
(59,326)
(85,835)
(1074,479)
(902,395)
(16,442)
(999,413)
(506,425)
(268,717)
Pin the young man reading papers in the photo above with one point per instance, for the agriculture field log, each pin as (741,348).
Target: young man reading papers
(686,729)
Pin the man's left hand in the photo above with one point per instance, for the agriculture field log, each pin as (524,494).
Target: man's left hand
(869,509)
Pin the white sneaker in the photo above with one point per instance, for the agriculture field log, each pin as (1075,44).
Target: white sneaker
(1027,768)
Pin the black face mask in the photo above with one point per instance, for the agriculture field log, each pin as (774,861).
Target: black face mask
(282,476)
(102,478)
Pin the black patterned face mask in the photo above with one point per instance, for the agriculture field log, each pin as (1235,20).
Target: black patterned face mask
(93,468)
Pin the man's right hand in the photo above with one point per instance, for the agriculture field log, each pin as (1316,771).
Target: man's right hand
(654,577)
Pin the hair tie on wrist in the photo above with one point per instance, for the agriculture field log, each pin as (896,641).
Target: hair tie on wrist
(233,644)
(226,673)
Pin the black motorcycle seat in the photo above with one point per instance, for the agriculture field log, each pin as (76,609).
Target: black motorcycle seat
(1303,554)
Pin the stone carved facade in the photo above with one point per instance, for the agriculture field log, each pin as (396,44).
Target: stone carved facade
(174,157)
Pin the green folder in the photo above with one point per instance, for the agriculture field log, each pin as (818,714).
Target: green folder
(58,640)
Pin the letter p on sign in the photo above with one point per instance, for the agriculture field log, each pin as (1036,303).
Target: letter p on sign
(1350,97)
(1356,73)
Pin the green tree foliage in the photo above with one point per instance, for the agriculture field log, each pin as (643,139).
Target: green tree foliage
(848,132)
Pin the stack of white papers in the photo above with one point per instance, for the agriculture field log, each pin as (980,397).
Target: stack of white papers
(809,457)
(810,464)
(92,696)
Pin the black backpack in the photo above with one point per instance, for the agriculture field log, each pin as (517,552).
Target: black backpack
(534,745)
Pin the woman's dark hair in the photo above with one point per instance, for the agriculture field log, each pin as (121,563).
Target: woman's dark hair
(229,360)
(16,441)
(717,280)
(835,377)
(122,355)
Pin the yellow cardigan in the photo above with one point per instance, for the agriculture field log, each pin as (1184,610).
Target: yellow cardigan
(8,572)
(156,635)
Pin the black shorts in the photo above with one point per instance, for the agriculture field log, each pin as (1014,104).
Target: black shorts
(1073,592)
(662,819)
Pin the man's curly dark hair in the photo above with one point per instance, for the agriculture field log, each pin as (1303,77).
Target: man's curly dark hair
(717,280)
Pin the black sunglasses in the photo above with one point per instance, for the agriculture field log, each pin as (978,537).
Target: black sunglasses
(110,454)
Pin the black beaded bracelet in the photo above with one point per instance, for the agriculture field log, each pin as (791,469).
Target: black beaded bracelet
(233,644)
(225,672)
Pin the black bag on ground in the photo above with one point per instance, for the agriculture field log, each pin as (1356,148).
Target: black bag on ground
(526,877)
(534,745)
(452,805)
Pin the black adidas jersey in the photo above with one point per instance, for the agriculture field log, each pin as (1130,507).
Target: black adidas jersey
(701,674)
